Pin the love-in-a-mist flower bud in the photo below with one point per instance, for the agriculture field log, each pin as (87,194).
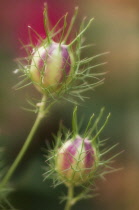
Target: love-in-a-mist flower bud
(76,161)
(51,65)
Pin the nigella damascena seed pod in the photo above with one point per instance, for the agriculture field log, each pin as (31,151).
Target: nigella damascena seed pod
(51,65)
(76,161)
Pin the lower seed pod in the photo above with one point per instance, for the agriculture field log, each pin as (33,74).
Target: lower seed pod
(76,161)
(51,66)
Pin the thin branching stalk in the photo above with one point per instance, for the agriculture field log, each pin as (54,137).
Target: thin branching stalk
(40,116)
(69,197)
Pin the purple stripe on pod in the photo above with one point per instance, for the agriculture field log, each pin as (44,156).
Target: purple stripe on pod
(70,152)
(45,57)
(66,66)
(89,157)
(44,54)
(52,47)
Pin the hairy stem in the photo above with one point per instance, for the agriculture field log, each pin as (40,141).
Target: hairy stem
(25,146)
(70,197)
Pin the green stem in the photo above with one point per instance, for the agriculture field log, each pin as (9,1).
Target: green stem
(70,197)
(25,146)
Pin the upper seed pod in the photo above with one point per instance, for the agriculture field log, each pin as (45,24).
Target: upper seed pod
(76,161)
(51,66)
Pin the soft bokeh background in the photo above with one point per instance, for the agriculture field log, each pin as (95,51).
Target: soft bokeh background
(115,29)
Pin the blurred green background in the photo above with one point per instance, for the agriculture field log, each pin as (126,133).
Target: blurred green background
(115,29)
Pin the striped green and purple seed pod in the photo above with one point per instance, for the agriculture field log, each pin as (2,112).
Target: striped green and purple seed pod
(51,66)
(76,161)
